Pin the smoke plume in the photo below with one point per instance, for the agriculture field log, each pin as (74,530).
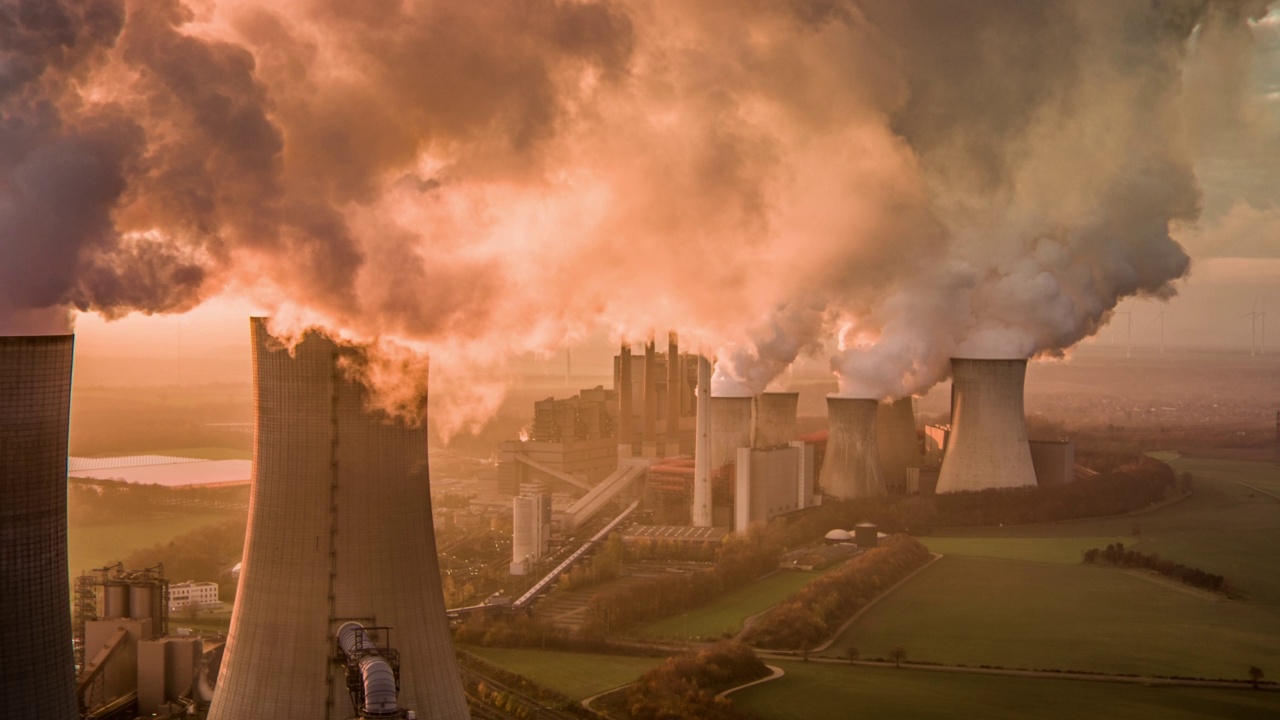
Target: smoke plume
(471,180)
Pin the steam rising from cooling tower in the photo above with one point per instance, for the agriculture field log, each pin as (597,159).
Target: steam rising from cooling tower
(851,466)
(988,445)
(36,662)
(431,171)
(339,528)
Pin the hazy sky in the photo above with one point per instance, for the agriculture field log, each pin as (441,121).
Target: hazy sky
(904,184)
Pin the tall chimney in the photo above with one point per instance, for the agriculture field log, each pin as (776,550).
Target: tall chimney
(339,530)
(702,516)
(37,667)
(988,444)
(650,410)
(896,439)
(851,466)
(773,419)
(624,401)
(673,397)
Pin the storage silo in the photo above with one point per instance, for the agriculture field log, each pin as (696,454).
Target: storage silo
(773,419)
(851,465)
(987,446)
(37,668)
(897,443)
(339,530)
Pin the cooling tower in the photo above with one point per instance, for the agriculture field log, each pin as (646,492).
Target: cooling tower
(773,419)
(988,446)
(897,443)
(339,530)
(851,466)
(730,428)
(37,670)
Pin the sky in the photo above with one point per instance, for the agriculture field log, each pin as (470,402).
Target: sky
(876,185)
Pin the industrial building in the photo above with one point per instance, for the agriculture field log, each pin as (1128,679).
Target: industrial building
(851,463)
(531,530)
(771,482)
(193,594)
(36,665)
(656,402)
(987,446)
(340,531)
(899,446)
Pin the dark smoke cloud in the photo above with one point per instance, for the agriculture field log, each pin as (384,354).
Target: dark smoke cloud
(473,179)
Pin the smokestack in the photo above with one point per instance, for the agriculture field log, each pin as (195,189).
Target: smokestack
(624,401)
(702,516)
(339,529)
(851,466)
(773,419)
(36,664)
(988,443)
(673,397)
(650,418)
(896,441)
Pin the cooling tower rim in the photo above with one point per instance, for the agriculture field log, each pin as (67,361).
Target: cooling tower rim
(715,396)
(47,339)
(954,358)
(836,396)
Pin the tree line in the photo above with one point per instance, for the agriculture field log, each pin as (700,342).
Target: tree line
(1116,554)
(686,685)
(818,609)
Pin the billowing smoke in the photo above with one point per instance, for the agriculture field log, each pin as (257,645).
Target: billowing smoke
(472,179)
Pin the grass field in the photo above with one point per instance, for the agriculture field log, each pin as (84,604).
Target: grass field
(814,690)
(578,675)
(725,616)
(1012,597)
(95,546)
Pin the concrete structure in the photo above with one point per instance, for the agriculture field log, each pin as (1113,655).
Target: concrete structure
(339,530)
(659,400)
(200,595)
(649,411)
(168,668)
(702,508)
(530,531)
(1054,461)
(773,419)
(768,483)
(851,465)
(674,395)
(935,443)
(730,429)
(867,535)
(625,402)
(987,446)
(897,444)
(37,673)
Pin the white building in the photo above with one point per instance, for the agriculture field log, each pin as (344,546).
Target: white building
(187,594)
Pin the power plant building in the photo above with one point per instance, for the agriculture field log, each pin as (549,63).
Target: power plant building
(898,446)
(771,482)
(531,531)
(987,446)
(340,531)
(851,464)
(37,672)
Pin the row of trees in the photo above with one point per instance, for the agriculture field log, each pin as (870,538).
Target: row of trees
(741,559)
(201,555)
(818,609)
(96,502)
(1116,554)
(685,686)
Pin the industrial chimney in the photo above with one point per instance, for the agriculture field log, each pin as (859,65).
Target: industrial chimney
(36,665)
(896,439)
(988,443)
(851,466)
(339,531)
(773,419)
(702,510)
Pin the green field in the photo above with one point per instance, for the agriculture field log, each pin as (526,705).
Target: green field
(95,546)
(578,675)
(724,616)
(1012,597)
(814,690)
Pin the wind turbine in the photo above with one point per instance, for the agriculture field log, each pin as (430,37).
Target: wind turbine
(1128,343)
(1253,316)
(1160,317)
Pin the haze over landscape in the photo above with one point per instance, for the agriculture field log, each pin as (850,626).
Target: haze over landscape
(521,223)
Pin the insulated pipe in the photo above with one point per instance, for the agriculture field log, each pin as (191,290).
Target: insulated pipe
(376,673)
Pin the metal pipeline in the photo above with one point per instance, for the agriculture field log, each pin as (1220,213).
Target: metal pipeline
(376,673)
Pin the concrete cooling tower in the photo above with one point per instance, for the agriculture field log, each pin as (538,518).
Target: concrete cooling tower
(730,429)
(37,669)
(773,419)
(339,531)
(896,439)
(988,443)
(851,467)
